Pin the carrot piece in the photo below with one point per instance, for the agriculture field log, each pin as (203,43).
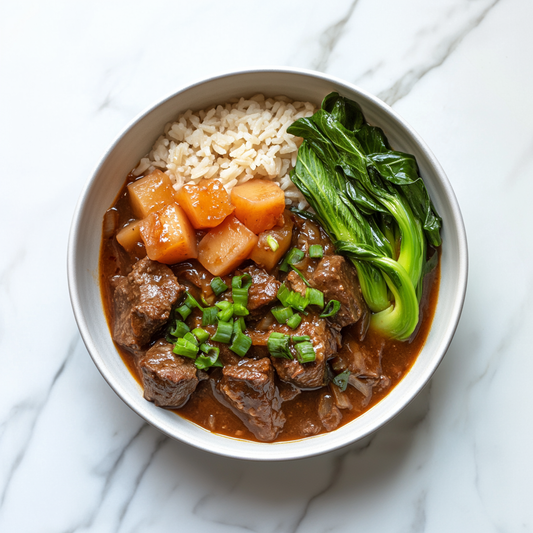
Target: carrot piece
(150,193)
(262,254)
(206,204)
(130,236)
(258,204)
(168,235)
(225,247)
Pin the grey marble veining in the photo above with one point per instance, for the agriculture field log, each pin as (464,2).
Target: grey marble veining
(74,458)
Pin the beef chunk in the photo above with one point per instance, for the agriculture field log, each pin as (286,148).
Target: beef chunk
(168,379)
(248,389)
(307,232)
(361,361)
(338,280)
(296,283)
(325,342)
(329,413)
(143,300)
(264,287)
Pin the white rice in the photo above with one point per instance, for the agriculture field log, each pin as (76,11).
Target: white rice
(232,142)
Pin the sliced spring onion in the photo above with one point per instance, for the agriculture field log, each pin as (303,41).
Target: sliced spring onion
(223,333)
(272,243)
(278,345)
(305,352)
(331,309)
(341,380)
(283,294)
(226,311)
(185,348)
(218,286)
(241,343)
(203,362)
(241,282)
(297,301)
(301,275)
(210,316)
(180,328)
(300,338)
(191,338)
(191,302)
(201,334)
(316,251)
(294,321)
(282,314)
(240,324)
(293,257)
(184,311)
(240,310)
(315,297)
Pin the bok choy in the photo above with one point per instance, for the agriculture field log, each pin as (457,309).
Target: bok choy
(373,204)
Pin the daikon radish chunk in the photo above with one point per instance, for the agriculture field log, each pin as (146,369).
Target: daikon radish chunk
(258,204)
(263,254)
(150,193)
(206,204)
(225,247)
(130,236)
(168,235)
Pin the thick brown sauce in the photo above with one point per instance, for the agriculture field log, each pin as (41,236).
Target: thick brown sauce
(203,409)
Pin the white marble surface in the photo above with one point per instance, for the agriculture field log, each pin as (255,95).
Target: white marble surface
(74,458)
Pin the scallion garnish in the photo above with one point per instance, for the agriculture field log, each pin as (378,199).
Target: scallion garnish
(210,316)
(282,314)
(293,257)
(185,348)
(283,294)
(341,380)
(301,275)
(203,362)
(241,343)
(218,286)
(184,311)
(316,251)
(240,310)
(241,282)
(240,296)
(240,323)
(191,338)
(278,345)
(332,308)
(305,352)
(300,338)
(292,299)
(201,334)
(294,321)
(272,243)
(226,311)
(223,333)
(315,297)
(180,328)
(191,302)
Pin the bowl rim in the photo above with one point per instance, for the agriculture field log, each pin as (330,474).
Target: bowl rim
(455,312)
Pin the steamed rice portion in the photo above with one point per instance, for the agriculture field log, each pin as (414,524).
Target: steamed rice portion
(233,142)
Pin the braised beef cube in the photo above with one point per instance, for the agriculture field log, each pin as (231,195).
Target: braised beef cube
(360,360)
(337,279)
(248,389)
(296,283)
(306,232)
(264,287)
(143,300)
(325,342)
(168,379)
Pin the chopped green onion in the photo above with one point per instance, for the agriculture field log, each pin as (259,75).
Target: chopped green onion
(223,333)
(241,342)
(203,362)
(301,275)
(185,348)
(240,310)
(201,334)
(272,243)
(331,309)
(240,324)
(283,294)
(204,301)
(316,251)
(300,338)
(180,328)
(341,380)
(240,296)
(241,282)
(278,345)
(226,311)
(305,352)
(292,299)
(294,321)
(315,297)
(218,286)
(191,338)
(191,302)
(184,311)
(293,257)
(282,314)
(210,316)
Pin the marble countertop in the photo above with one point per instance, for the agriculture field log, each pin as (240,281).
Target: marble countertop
(74,458)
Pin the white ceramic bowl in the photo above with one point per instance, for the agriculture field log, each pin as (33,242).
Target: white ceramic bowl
(136,140)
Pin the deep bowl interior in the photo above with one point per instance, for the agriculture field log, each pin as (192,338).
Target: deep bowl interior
(137,140)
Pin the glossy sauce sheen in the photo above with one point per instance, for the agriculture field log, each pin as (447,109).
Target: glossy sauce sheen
(204,410)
